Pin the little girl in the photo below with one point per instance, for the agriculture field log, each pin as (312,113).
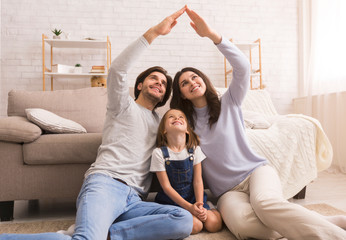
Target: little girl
(177,163)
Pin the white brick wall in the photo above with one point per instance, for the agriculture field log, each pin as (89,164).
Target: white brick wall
(23,22)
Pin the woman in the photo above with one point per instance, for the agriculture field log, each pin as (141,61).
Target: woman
(249,190)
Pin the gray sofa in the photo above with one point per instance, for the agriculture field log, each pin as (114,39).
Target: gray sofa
(36,165)
(53,165)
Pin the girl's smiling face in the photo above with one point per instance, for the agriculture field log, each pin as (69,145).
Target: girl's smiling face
(175,120)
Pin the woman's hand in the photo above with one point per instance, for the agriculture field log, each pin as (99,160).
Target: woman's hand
(201,27)
(163,27)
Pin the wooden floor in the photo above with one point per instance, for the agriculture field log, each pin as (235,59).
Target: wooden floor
(328,188)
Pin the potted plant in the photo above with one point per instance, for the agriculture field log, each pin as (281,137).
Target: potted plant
(78,68)
(57,33)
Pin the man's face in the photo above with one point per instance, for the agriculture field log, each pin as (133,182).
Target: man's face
(153,87)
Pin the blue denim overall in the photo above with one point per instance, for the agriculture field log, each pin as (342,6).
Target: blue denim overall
(180,175)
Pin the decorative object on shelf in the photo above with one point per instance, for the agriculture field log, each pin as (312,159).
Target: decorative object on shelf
(97,69)
(67,35)
(69,43)
(78,68)
(56,33)
(60,68)
(98,81)
(90,38)
(252,48)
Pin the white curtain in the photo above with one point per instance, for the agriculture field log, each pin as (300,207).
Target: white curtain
(323,55)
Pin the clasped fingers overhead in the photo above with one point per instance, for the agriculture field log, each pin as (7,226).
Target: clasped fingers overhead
(178,13)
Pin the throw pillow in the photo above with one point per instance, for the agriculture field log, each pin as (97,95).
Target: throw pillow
(18,129)
(255,120)
(53,123)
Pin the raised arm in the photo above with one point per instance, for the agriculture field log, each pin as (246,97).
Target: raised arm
(118,93)
(237,59)
(241,70)
(202,28)
(164,27)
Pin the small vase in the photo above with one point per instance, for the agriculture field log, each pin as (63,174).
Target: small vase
(78,70)
(56,37)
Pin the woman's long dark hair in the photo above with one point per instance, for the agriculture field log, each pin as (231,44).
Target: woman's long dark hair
(213,101)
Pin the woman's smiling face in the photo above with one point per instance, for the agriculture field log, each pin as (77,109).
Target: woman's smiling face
(191,86)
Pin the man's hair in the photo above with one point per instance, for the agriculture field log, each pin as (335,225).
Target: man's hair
(192,139)
(141,77)
(213,101)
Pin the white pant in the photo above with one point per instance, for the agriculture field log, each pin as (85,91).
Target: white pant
(256,208)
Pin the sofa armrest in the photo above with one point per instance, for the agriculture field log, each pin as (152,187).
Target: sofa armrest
(18,129)
(289,145)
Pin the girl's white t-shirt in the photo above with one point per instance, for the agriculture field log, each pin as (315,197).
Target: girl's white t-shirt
(158,161)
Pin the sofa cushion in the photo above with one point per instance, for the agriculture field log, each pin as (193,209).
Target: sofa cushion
(18,129)
(53,123)
(256,101)
(255,120)
(62,149)
(86,106)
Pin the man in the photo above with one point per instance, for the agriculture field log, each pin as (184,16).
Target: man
(120,176)
(111,196)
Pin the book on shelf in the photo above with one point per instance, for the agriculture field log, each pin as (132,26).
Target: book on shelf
(98,69)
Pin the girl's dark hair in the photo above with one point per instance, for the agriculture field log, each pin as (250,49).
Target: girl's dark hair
(141,77)
(213,101)
(192,139)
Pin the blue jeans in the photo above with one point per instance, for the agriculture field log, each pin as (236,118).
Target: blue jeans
(107,205)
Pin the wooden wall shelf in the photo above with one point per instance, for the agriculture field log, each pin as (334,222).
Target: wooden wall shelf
(67,43)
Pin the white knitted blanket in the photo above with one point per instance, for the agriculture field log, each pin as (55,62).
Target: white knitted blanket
(296,147)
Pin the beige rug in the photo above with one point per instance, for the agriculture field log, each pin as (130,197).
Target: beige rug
(325,209)
(55,225)
(35,226)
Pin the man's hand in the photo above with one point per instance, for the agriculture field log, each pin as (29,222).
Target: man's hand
(163,27)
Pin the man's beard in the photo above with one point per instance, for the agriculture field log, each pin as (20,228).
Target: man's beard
(151,97)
